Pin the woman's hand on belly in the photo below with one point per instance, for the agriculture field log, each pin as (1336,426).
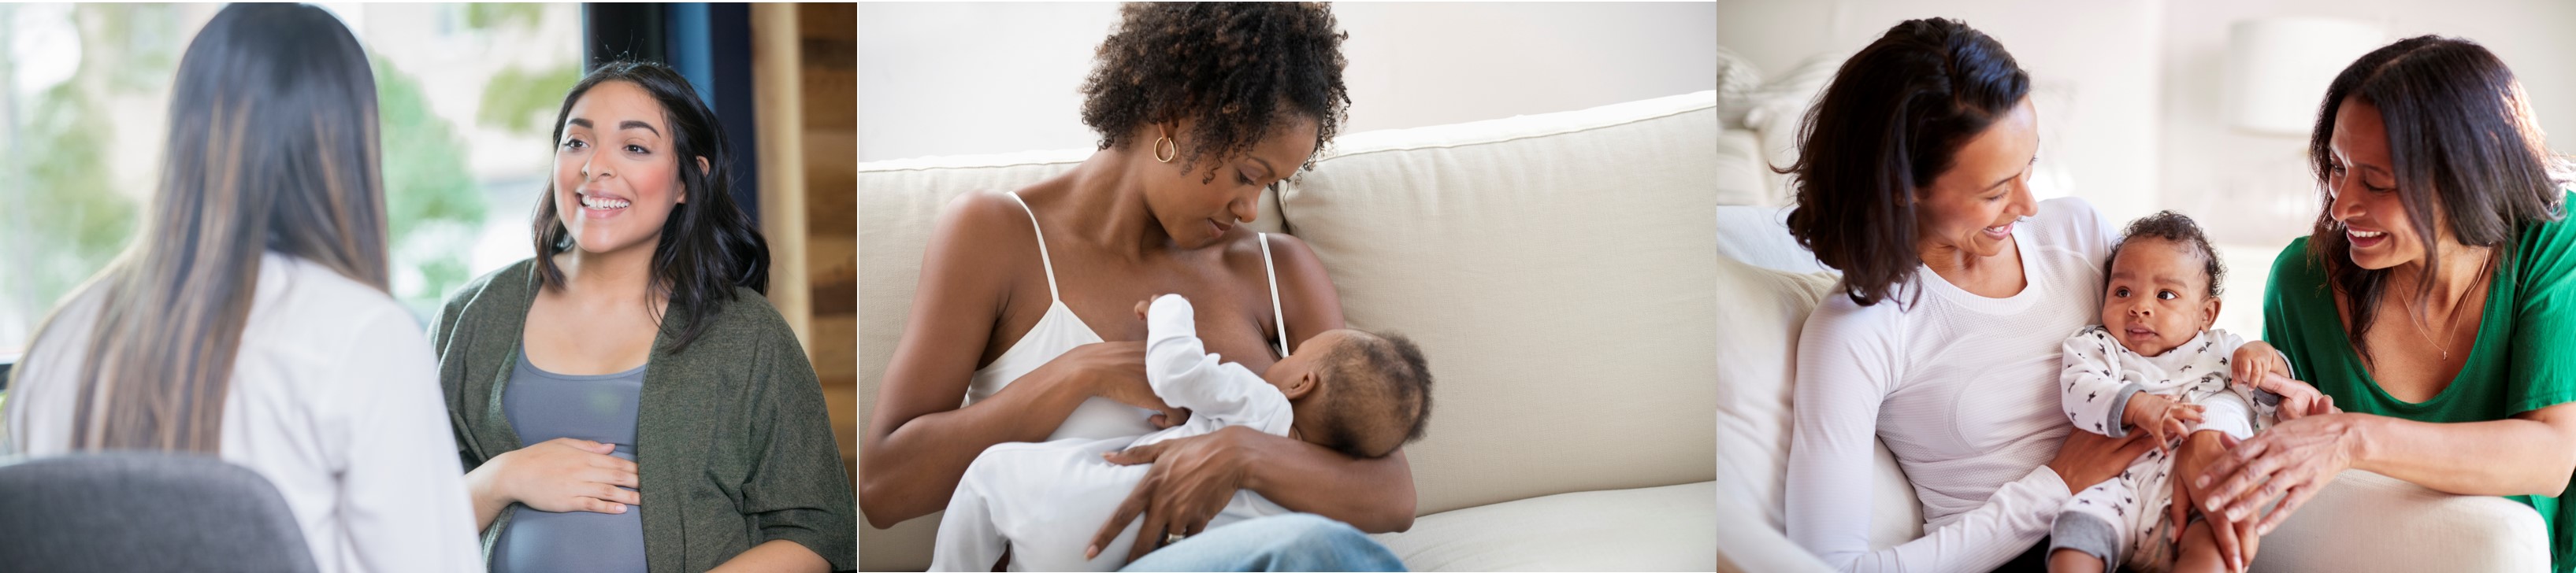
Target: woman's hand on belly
(1191,481)
(558,475)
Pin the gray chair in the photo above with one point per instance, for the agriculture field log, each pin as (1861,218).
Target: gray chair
(144,512)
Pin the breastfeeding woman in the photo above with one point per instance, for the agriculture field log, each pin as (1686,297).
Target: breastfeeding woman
(1199,107)
(626,399)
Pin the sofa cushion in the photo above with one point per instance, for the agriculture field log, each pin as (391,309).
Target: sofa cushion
(2370,522)
(1766,287)
(1668,528)
(1555,270)
(1741,179)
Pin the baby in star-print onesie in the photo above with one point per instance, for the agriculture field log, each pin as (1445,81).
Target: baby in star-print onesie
(2156,365)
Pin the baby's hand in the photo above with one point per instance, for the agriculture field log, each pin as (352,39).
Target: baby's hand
(1142,306)
(2252,361)
(2160,417)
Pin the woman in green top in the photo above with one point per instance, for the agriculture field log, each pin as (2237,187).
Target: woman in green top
(644,267)
(2435,301)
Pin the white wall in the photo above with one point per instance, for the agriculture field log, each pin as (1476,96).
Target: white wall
(2254,189)
(2089,64)
(961,78)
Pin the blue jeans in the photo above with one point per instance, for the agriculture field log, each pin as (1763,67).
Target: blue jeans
(1293,542)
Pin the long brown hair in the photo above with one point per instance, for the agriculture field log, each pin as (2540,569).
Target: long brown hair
(2465,145)
(272,147)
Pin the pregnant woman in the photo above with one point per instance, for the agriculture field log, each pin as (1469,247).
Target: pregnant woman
(2435,299)
(626,400)
(1199,107)
(1958,288)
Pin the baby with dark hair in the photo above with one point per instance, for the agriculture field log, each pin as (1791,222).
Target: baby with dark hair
(2156,365)
(1354,392)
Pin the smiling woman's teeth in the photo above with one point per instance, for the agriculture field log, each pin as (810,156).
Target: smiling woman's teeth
(602,202)
(2366,234)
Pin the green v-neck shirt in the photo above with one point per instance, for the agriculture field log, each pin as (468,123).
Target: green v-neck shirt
(2524,358)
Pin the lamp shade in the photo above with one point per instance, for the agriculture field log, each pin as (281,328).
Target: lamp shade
(2278,69)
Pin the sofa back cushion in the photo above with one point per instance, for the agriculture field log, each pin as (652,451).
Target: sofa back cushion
(1555,270)
(1766,287)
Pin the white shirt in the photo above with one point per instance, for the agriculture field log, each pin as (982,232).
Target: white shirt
(334,399)
(1044,501)
(1962,388)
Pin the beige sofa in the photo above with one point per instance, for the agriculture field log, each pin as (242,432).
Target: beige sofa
(1555,269)
(1767,285)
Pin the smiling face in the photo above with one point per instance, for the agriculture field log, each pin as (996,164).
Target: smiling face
(2158,296)
(2362,181)
(1196,210)
(616,172)
(1973,206)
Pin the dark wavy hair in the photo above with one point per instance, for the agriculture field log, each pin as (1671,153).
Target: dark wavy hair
(2465,145)
(1892,120)
(2181,230)
(708,245)
(1236,69)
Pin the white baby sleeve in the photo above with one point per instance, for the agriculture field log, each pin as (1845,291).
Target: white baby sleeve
(1185,375)
(2093,391)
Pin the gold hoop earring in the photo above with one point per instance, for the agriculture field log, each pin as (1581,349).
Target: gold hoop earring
(1161,143)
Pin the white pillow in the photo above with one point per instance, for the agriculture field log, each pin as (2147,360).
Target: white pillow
(1764,305)
(1780,106)
(1742,178)
(1763,311)
(1736,81)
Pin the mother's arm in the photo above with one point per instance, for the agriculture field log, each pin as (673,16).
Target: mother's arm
(920,441)
(2301,456)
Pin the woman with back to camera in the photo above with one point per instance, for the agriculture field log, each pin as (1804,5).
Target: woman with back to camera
(249,320)
(626,399)
(1199,107)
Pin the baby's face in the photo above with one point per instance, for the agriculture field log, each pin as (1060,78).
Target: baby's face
(2158,296)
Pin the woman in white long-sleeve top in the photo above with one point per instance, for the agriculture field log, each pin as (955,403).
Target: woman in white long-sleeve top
(1957,289)
(250,320)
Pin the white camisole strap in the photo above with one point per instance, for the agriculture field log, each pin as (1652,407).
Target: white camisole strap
(1043,259)
(1271,270)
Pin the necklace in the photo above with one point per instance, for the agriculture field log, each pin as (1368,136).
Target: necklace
(2415,315)
(2451,322)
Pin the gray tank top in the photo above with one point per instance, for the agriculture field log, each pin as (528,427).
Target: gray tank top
(543,406)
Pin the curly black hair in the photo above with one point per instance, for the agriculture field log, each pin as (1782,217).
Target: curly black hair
(1381,395)
(1237,69)
(2181,231)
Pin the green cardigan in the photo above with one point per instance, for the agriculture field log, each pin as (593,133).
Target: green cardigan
(733,442)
